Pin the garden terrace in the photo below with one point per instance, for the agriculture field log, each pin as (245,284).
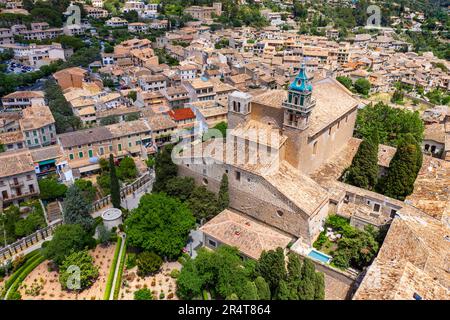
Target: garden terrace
(43,283)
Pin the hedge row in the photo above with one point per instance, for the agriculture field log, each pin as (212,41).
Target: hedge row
(30,257)
(119,276)
(33,263)
(112,270)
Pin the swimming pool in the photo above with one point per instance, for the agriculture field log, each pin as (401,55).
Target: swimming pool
(320,256)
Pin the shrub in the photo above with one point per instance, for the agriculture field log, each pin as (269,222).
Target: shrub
(148,263)
(175,273)
(88,271)
(143,294)
(119,276)
(131,260)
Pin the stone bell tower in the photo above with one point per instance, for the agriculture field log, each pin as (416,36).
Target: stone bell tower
(297,110)
(239,108)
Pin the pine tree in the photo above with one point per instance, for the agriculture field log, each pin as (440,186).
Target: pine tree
(263,288)
(403,171)
(76,210)
(223,198)
(115,187)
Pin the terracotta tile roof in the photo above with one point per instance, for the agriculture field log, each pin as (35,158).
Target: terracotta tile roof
(181,114)
(12,163)
(249,236)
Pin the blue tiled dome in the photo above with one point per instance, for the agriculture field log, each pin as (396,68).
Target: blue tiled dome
(301,81)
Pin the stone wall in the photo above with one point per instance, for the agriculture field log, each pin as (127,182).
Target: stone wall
(254,196)
(328,142)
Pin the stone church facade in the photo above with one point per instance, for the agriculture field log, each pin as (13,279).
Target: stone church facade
(309,126)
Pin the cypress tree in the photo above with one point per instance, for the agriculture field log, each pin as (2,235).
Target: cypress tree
(283,292)
(307,288)
(294,267)
(223,198)
(271,266)
(403,171)
(263,288)
(319,293)
(115,187)
(249,291)
(363,171)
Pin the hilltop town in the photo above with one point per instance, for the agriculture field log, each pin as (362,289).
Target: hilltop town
(238,150)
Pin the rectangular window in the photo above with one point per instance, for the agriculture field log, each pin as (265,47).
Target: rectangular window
(110,148)
(101,151)
(71,156)
(120,146)
(44,138)
(91,154)
(376,207)
(36,141)
(393,213)
(212,243)
(238,176)
(80,154)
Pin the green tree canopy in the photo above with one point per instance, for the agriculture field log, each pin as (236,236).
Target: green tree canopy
(391,124)
(165,169)
(76,210)
(363,171)
(403,169)
(51,189)
(148,263)
(180,187)
(87,189)
(223,198)
(203,203)
(271,267)
(143,294)
(127,170)
(67,238)
(160,224)
(362,86)
(88,271)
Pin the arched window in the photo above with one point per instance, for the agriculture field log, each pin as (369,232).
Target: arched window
(427,147)
(296,100)
(280,213)
(433,149)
